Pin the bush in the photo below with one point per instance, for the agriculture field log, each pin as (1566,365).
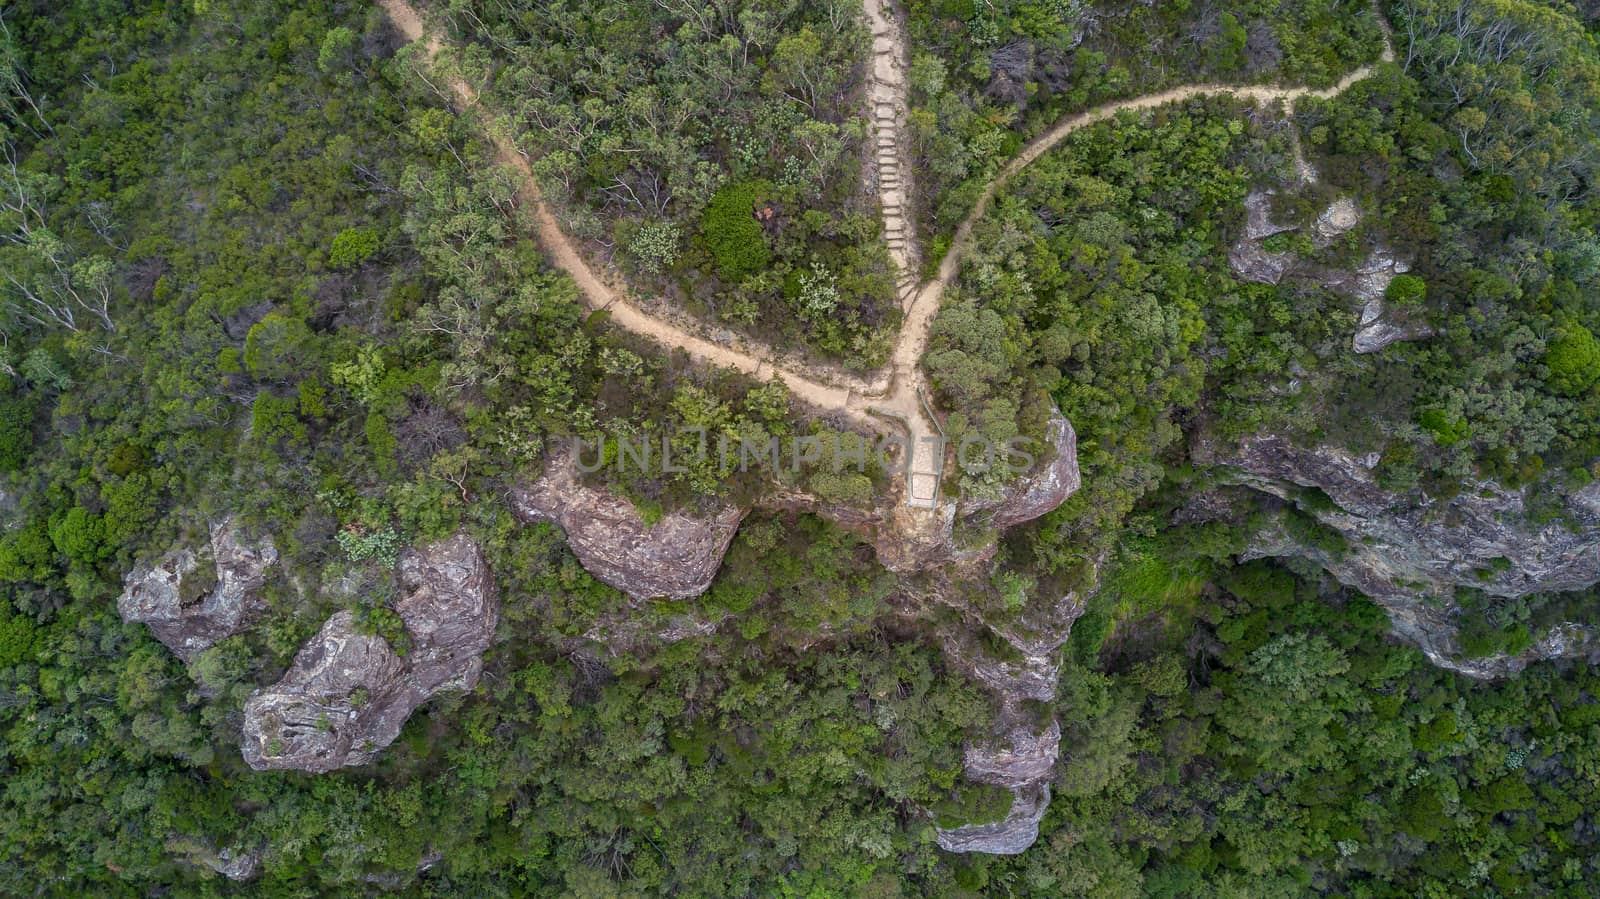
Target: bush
(1574,360)
(656,246)
(1406,290)
(79,535)
(738,245)
(353,246)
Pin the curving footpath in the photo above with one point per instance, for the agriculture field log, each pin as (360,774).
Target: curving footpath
(897,399)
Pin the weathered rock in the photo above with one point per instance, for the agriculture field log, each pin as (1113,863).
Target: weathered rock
(1009,836)
(1337,220)
(1378,327)
(191,600)
(1479,538)
(232,862)
(1410,555)
(1429,623)
(1022,757)
(450,609)
(676,557)
(343,700)
(1022,752)
(1034,495)
(347,694)
(1258,223)
(1251,261)
(1586,502)
(1435,631)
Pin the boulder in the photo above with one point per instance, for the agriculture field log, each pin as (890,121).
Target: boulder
(348,693)
(676,557)
(191,599)
(1041,492)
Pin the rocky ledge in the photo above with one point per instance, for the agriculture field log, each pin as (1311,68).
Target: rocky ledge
(348,693)
(1251,260)
(1011,835)
(1041,492)
(1021,756)
(1411,555)
(232,862)
(191,599)
(676,557)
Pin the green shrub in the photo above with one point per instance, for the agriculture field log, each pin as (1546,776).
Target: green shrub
(1445,430)
(738,245)
(353,246)
(1574,360)
(16,637)
(80,535)
(1406,290)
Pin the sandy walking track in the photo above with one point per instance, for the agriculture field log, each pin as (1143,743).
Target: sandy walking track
(899,393)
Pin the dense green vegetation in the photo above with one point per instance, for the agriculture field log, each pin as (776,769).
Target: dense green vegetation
(714,151)
(988,74)
(252,264)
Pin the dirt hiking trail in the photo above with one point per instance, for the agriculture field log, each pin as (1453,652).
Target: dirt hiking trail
(896,400)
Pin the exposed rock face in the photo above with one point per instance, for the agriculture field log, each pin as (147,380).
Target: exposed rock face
(1434,631)
(231,862)
(1022,754)
(1587,502)
(450,609)
(1034,495)
(677,557)
(1251,261)
(1378,327)
(1411,555)
(191,600)
(347,694)
(1337,220)
(1010,836)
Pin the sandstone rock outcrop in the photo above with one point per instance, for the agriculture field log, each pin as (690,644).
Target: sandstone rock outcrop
(1039,493)
(348,693)
(234,863)
(1010,836)
(1249,259)
(191,599)
(1379,326)
(676,557)
(1021,755)
(1252,261)
(1410,555)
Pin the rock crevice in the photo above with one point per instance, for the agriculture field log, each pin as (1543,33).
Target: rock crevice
(192,599)
(348,693)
